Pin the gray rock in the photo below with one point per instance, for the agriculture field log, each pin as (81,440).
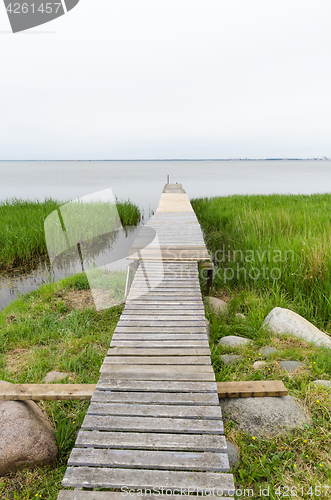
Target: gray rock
(233,454)
(234,341)
(26,437)
(208,329)
(282,321)
(228,359)
(265,417)
(267,351)
(240,316)
(325,383)
(219,306)
(289,366)
(55,376)
(259,364)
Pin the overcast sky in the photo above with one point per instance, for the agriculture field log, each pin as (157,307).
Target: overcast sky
(127,79)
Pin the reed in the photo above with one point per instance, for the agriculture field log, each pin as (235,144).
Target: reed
(22,236)
(273,242)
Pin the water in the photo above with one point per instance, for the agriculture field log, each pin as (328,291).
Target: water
(142,182)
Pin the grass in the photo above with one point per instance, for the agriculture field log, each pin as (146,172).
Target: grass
(300,226)
(273,242)
(53,328)
(22,236)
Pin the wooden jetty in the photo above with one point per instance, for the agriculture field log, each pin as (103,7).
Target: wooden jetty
(154,422)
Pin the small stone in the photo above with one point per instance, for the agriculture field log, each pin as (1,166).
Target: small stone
(208,329)
(233,454)
(240,316)
(234,341)
(259,364)
(267,351)
(55,376)
(289,366)
(326,383)
(228,359)
(219,306)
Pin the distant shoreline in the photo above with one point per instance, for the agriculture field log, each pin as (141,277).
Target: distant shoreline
(324,158)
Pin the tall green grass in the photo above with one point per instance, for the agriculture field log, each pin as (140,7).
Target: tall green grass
(273,242)
(22,237)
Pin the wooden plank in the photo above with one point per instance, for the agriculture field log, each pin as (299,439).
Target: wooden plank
(156,410)
(152,424)
(152,441)
(107,384)
(256,388)
(158,360)
(112,495)
(127,351)
(45,392)
(170,375)
(82,477)
(159,336)
(162,329)
(161,343)
(142,459)
(191,398)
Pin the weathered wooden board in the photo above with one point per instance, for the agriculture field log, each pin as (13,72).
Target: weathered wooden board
(152,441)
(159,336)
(112,495)
(158,398)
(155,375)
(156,410)
(39,392)
(158,360)
(151,424)
(127,351)
(256,388)
(82,477)
(147,459)
(160,343)
(154,386)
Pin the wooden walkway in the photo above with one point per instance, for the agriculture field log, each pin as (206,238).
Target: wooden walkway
(154,420)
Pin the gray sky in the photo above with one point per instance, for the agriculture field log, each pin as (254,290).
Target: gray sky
(126,79)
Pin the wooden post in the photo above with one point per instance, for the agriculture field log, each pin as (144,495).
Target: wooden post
(129,277)
(209,266)
(168,179)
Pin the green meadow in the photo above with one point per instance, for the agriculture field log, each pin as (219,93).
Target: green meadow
(274,251)
(57,328)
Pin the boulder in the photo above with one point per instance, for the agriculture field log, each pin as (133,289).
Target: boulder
(234,341)
(228,359)
(265,417)
(233,454)
(282,321)
(219,306)
(240,316)
(289,366)
(26,437)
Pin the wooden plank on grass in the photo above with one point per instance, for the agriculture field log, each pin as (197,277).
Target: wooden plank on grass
(256,388)
(148,459)
(152,441)
(108,384)
(93,477)
(152,424)
(155,410)
(127,351)
(45,392)
(157,398)
(112,495)
(158,360)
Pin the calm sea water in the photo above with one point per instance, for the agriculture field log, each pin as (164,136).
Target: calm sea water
(142,182)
